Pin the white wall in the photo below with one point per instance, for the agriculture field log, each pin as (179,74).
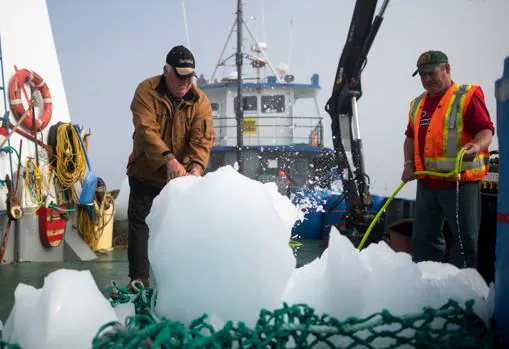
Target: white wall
(27,42)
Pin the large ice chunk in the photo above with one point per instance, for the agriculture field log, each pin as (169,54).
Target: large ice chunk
(219,245)
(66,313)
(345,282)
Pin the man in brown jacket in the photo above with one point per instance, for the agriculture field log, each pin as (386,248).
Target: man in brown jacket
(172,138)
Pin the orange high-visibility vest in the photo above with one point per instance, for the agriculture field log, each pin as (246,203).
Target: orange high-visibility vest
(446,135)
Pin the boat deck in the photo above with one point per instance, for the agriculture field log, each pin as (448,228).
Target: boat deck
(108,266)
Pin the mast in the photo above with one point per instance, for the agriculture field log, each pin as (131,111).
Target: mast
(239,112)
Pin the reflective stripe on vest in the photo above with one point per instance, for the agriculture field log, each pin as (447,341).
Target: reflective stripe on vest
(453,136)
(414,107)
(449,163)
(454,120)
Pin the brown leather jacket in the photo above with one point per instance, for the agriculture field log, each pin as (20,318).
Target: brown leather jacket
(164,130)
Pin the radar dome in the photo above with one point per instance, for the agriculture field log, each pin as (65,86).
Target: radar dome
(262,46)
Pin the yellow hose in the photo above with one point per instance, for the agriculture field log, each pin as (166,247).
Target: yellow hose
(455,172)
(379,213)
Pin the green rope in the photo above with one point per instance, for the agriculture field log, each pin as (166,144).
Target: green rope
(5,345)
(296,326)
(9,149)
(58,208)
(292,326)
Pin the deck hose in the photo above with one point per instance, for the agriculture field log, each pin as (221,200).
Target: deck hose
(454,172)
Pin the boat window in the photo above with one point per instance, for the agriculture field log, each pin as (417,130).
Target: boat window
(271,169)
(249,103)
(215,109)
(300,171)
(273,104)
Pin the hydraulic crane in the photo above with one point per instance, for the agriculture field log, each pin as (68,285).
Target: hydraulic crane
(342,107)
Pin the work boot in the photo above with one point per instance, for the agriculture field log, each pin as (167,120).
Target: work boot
(136,285)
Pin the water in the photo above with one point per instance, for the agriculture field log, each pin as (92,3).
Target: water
(458,221)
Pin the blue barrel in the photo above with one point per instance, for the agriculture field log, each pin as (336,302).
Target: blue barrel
(502,248)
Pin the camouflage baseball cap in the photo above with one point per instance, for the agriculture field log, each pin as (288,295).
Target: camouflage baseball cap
(429,60)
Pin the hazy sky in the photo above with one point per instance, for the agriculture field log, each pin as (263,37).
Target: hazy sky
(106,48)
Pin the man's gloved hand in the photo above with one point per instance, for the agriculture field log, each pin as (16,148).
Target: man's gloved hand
(175,169)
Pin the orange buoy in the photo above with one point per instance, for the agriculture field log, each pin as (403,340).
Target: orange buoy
(37,83)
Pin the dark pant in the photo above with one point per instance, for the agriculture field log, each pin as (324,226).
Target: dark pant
(432,206)
(141,197)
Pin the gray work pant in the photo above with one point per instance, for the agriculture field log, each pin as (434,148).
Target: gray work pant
(432,207)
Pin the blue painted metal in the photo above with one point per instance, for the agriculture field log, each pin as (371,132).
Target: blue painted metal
(274,148)
(271,83)
(327,208)
(502,247)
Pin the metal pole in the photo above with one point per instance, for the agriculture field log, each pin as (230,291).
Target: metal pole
(383,8)
(6,112)
(355,116)
(240,107)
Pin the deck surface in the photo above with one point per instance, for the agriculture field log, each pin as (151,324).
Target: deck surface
(107,267)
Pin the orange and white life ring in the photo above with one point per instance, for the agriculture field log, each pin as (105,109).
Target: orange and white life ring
(22,77)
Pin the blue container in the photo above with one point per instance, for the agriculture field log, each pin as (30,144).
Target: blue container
(310,227)
(323,211)
(502,247)
(314,202)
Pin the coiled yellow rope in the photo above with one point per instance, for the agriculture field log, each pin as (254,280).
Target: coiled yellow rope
(92,228)
(70,158)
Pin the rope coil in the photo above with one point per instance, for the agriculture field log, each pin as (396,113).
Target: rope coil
(70,159)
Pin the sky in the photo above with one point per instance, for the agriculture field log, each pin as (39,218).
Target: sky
(106,48)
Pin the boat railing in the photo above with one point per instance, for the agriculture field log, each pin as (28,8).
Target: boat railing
(272,129)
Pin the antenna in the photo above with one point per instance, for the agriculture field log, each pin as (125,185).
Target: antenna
(291,43)
(240,107)
(185,23)
(258,58)
(264,33)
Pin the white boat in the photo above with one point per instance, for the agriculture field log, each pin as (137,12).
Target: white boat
(280,116)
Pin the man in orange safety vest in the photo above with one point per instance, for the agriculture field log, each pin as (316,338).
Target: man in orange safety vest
(443,120)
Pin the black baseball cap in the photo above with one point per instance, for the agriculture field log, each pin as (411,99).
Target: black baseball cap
(182,61)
